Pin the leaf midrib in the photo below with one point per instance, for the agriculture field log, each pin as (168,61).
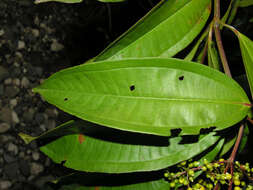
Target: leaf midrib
(197,100)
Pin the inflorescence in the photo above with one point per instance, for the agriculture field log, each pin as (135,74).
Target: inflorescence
(213,174)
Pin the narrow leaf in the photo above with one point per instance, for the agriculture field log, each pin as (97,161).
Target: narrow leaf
(166,30)
(61,1)
(213,57)
(111,1)
(246,46)
(245,3)
(148,95)
(151,185)
(121,152)
(193,52)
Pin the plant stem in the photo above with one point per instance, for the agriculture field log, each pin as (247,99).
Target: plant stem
(233,154)
(218,37)
(237,143)
(204,53)
(250,120)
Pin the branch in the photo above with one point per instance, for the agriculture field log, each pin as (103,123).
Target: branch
(218,38)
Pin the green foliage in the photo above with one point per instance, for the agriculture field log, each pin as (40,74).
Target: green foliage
(61,1)
(213,57)
(126,94)
(155,35)
(150,185)
(245,3)
(142,111)
(247,54)
(111,1)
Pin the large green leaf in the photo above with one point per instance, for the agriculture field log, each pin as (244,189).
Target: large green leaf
(148,95)
(247,54)
(61,1)
(121,152)
(151,185)
(111,1)
(165,31)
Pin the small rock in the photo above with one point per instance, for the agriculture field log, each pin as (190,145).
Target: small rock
(24,167)
(4,138)
(47,162)
(39,118)
(28,115)
(43,127)
(16,64)
(36,20)
(16,72)
(13,103)
(1,90)
(35,156)
(4,127)
(51,124)
(21,155)
(56,46)
(21,44)
(15,118)
(1,32)
(8,158)
(19,55)
(12,148)
(38,71)
(11,91)
(16,82)
(35,32)
(8,81)
(3,73)
(6,115)
(25,82)
(11,170)
(52,113)
(36,168)
(26,3)
(5,185)
(40,183)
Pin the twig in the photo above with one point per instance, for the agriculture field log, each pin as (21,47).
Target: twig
(250,120)
(218,38)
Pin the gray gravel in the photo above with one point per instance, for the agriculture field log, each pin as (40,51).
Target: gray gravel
(32,43)
(35,42)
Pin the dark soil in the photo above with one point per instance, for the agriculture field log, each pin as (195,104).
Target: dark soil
(36,41)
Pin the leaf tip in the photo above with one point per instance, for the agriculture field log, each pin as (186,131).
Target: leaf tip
(26,138)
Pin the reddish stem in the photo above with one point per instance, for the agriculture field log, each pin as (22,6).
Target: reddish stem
(250,120)
(218,37)
(204,53)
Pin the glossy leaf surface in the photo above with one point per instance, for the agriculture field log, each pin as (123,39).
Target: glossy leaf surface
(165,31)
(61,1)
(246,3)
(246,46)
(111,1)
(122,152)
(152,185)
(148,95)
